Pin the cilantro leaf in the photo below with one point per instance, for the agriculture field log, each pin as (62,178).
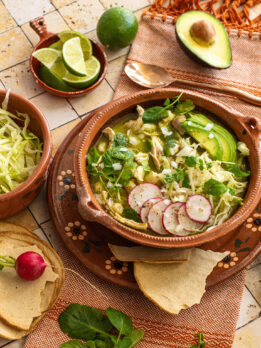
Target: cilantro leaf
(201,342)
(74,344)
(80,321)
(120,153)
(131,214)
(154,114)
(184,107)
(120,321)
(169,178)
(186,181)
(191,161)
(214,187)
(119,140)
(236,170)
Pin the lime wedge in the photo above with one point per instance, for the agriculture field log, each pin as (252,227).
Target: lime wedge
(93,68)
(58,45)
(73,57)
(48,77)
(59,68)
(85,42)
(47,56)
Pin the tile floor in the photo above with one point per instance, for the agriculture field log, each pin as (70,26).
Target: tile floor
(16,42)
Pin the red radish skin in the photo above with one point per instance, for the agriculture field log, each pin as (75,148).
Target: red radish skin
(144,210)
(198,208)
(186,223)
(30,266)
(169,218)
(155,216)
(141,193)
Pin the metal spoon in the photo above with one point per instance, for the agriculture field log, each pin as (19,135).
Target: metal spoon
(153,76)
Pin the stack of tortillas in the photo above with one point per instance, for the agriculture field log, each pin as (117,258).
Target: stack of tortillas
(173,279)
(24,303)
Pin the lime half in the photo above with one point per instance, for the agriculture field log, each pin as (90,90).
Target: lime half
(47,56)
(73,57)
(93,68)
(85,42)
(58,45)
(48,77)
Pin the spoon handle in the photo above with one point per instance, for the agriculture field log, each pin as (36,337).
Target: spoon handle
(231,90)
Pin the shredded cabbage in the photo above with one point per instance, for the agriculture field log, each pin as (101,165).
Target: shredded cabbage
(20,149)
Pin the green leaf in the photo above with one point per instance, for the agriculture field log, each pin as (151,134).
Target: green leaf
(120,321)
(119,153)
(236,170)
(184,107)
(90,344)
(201,164)
(154,114)
(209,165)
(73,344)
(132,339)
(231,191)
(170,142)
(186,181)
(169,178)
(191,161)
(100,344)
(214,187)
(166,102)
(93,155)
(83,322)
(119,140)
(131,214)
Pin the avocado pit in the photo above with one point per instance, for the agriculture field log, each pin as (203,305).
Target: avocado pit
(203,32)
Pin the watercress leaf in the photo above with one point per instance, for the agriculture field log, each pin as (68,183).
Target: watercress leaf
(236,170)
(201,164)
(131,214)
(83,322)
(100,344)
(119,140)
(191,161)
(186,181)
(166,102)
(126,342)
(73,344)
(93,155)
(184,107)
(154,114)
(122,153)
(214,187)
(135,336)
(169,178)
(90,344)
(120,321)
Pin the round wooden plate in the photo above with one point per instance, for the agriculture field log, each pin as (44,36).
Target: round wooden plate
(88,241)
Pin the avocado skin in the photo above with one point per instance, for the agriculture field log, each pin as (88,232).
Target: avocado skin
(226,138)
(195,57)
(201,135)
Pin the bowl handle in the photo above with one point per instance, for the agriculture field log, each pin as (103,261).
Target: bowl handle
(39,26)
(87,209)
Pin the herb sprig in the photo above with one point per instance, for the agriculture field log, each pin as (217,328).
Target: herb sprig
(201,342)
(115,330)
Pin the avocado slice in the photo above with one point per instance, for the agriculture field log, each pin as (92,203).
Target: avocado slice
(204,38)
(225,137)
(207,139)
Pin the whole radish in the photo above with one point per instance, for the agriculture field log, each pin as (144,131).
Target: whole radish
(29,265)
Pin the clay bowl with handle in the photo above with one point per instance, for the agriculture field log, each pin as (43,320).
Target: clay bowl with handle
(47,39)
(19,198)
(245,128)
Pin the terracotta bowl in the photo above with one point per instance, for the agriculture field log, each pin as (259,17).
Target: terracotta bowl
(19,198)
(244,127)
(46,39)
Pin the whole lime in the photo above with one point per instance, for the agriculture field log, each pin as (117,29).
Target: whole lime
(117,28)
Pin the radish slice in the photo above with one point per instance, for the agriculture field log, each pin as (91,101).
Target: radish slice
(144,210)
(198,208)
(185,222)
(169,218)
(155,216)
(141,193)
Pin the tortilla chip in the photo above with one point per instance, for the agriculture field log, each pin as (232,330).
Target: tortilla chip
(177,286)
(148,254)
(20,236)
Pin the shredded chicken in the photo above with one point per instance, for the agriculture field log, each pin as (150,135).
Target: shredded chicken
(156,151)
(109,133)
(135,125)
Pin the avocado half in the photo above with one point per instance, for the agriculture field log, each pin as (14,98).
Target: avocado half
(214,50)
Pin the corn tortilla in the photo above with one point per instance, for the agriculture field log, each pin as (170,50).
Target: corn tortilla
(148,254)
(177,286)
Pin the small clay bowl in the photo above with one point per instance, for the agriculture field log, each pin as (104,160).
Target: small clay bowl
(246,129)
(19,198)
(46,39)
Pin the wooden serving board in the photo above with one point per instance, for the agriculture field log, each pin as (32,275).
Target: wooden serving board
(88,241)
